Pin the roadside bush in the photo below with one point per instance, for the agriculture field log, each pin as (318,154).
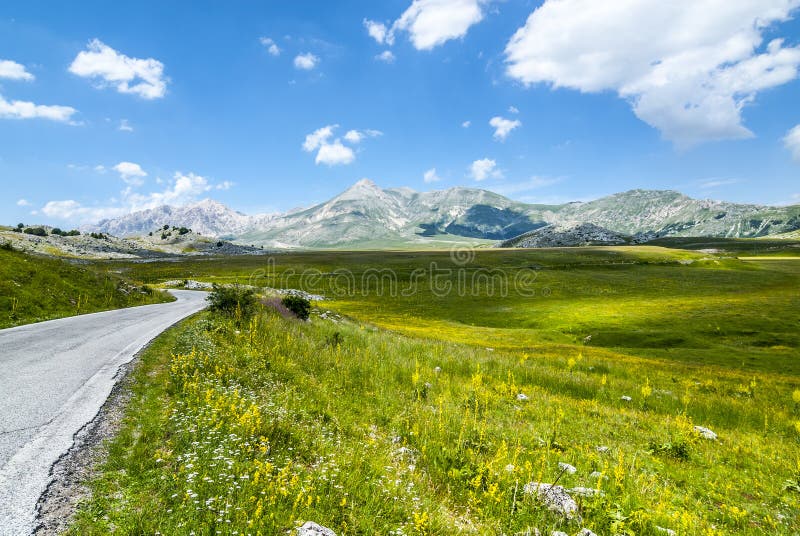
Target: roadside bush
(36,231)
(235,302)
(301,307)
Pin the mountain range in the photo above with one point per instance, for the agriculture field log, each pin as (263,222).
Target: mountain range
(367,216)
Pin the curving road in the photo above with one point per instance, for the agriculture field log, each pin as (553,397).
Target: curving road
(54,377)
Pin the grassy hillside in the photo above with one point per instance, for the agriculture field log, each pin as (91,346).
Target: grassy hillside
(36,288)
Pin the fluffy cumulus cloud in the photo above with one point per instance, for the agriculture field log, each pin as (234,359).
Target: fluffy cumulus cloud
(181,189)
(109,68)
(335,154)
(792,142)
(430,23)
(131,173)
(431,176)
(28,110)
(503,127)
(485,168)
(687,67)
(12,70)
(332,152)
(387,56)
(306,62)
(270,45)
(379,32)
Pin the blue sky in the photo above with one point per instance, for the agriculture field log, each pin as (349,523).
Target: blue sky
(108,108)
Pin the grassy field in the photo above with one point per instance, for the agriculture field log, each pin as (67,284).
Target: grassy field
(431,407)
(36,288)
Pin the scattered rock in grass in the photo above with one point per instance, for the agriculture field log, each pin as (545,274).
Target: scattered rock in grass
(310,528)
(404,452)
(705,433)
(567,468)
(558,533)
(197,285)
(597,475)
(626,398)
(586,532)
(602,449)
(585,492)
(555,498)
(437,370)
(510,468)
(668,532)
(522,396)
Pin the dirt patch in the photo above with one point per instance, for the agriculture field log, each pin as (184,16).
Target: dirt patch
(76,468)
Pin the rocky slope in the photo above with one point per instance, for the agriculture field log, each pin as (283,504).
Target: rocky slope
(567,235)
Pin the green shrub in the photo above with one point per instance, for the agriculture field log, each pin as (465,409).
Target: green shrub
(20,226)
(235,302)
(183,231)
(56,231)
(73,232)
(298,305)
(36,231)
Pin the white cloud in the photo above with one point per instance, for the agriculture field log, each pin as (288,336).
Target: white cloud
(270,45)
(431,176)
(71,210)
(485,168)
(306,61)
(355,136)
(687,67)
(28,110)
(125,126)
(131,173)
(23,203)
(318,137)
(182,189)
(792,142)
(379,32)
(430,23)
(334,154)
(99,168)
(503,127)
(224,185)
(513,110)
(386,56)
(14,71)
(466,124)
(143,77)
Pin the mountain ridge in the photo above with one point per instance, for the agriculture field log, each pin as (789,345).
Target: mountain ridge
(365,215)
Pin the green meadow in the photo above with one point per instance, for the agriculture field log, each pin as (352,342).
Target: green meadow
(452,380)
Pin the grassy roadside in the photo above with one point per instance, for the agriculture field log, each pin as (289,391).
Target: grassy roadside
(252,429)
(36,288)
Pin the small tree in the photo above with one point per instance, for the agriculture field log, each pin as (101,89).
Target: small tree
(36,231)
(298,305)
(235,302)
(56,231)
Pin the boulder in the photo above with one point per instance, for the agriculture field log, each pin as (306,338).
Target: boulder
(310,528)
(555,498)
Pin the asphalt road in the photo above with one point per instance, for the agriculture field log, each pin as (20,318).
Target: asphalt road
(54,377)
